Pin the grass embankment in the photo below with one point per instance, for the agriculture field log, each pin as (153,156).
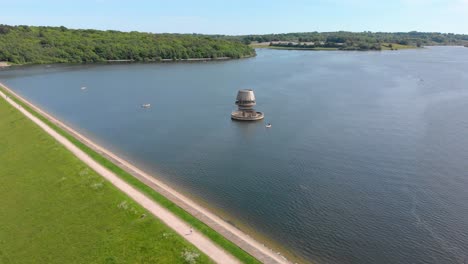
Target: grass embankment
(395,46)
(291,48)
(197,224)
(55,209)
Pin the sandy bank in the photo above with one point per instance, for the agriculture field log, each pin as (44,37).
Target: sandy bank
(4,64)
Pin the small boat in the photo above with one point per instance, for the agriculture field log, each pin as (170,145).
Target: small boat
(268,125)
(146,105)
(83,88)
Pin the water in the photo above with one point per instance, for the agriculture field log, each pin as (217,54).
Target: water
(366,160)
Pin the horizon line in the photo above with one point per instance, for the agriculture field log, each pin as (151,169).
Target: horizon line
(222,34)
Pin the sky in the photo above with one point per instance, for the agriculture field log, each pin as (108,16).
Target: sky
(238,17)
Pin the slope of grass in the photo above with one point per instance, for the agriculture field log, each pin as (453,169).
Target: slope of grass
(193,221)
(54,209)
(395,46)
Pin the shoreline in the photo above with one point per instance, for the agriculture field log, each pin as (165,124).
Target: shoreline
(328,49)
(4,65)
(383,46)
(264,239)
(172,221)
(224,215)
(230,232)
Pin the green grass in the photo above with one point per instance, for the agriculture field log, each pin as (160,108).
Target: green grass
(193,221)
(395,46)
(260,45)
(297,48)
(385,46)
(55,209)
(267,46)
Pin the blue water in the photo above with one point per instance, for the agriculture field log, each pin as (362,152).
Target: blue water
(366,160)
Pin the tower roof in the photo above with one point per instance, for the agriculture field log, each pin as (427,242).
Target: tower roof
(246,95)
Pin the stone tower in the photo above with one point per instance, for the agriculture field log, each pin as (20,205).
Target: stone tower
(246,101)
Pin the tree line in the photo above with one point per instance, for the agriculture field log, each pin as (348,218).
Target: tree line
(357,40)
(331,45)
(33,45)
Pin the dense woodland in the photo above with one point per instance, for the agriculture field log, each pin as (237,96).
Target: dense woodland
(31,45)
(355,40)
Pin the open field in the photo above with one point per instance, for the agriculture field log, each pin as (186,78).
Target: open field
(266,45)
(295,48)
(57,210)
(260,44)
(394,46)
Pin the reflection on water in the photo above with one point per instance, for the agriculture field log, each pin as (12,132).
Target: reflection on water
(247,130)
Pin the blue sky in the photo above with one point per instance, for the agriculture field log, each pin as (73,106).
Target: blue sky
(241,16)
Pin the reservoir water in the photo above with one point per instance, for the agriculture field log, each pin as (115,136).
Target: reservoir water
(366,160)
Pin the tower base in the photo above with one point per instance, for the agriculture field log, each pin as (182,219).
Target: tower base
(247,115)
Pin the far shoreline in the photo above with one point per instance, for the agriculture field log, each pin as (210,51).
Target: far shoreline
(383,47)
(5,64)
